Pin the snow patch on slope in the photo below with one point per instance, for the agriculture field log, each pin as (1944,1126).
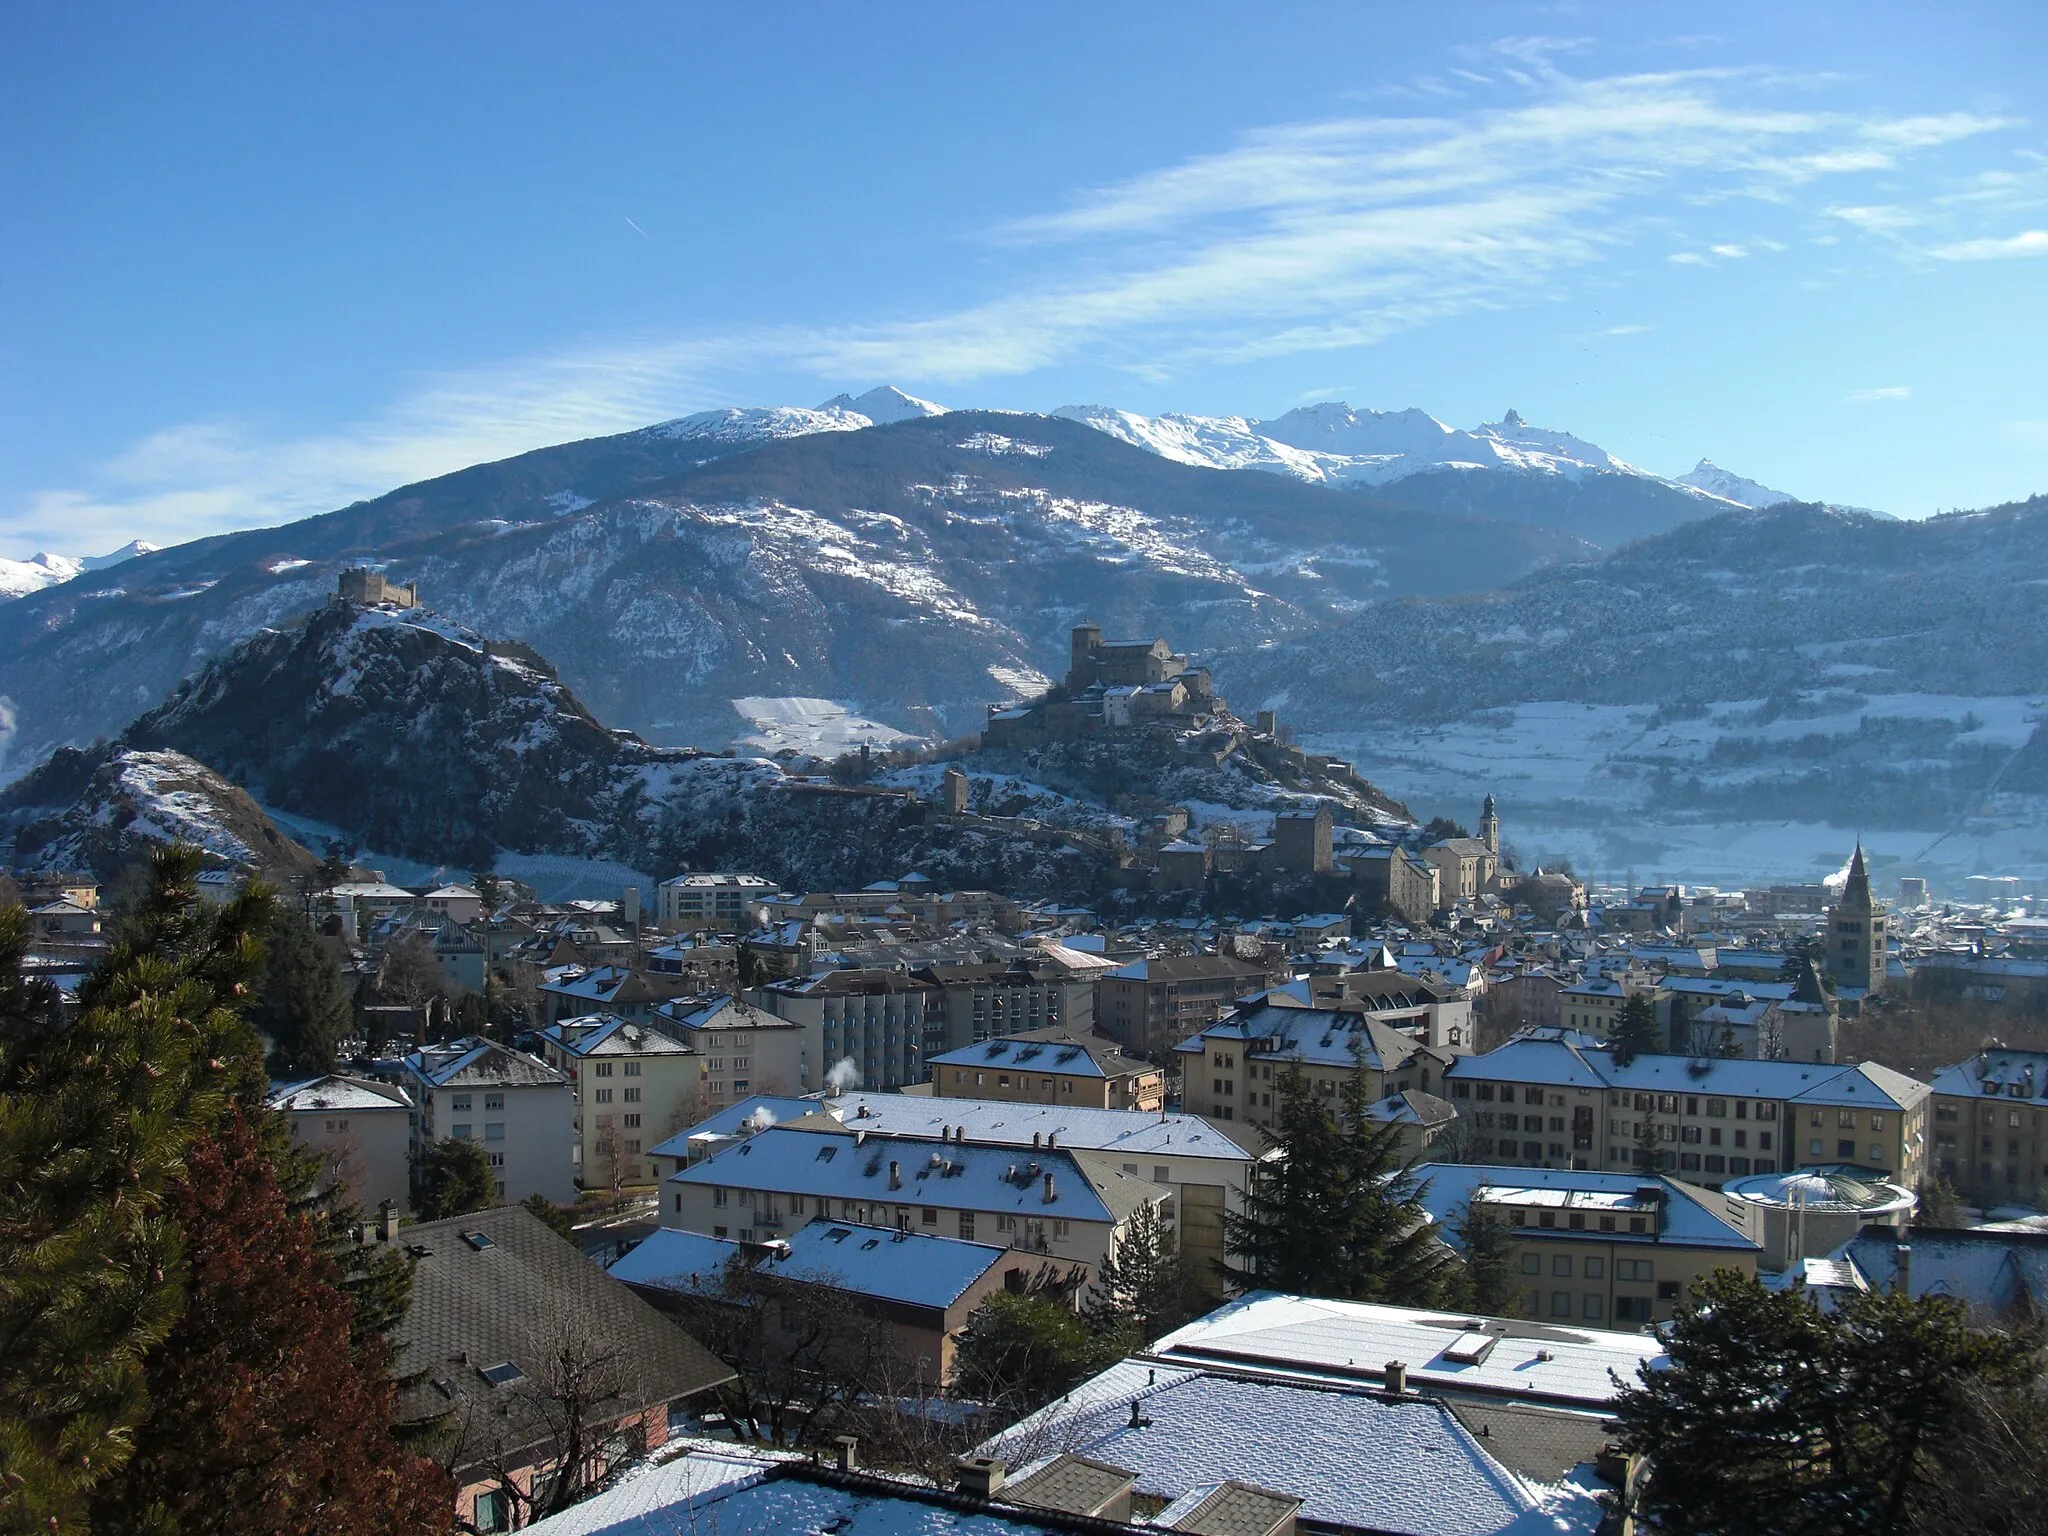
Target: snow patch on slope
(1715,481)
(821,727)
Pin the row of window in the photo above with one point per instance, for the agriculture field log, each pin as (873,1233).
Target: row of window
(604,1095)
(1035,1230)
(460,1102)
(494,1130)
(1591,1266)
(604,1069)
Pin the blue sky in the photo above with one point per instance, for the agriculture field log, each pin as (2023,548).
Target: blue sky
(259,262)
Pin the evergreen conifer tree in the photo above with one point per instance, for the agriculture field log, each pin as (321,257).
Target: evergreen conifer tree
(1491,1283)
(454,1178)
(1143,1289)
(1338,1213)
(1635,1031)
(301,1002)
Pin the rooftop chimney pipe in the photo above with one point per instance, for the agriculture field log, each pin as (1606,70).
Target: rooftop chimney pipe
(1048,1189)
(1397,1376)
(846,1453)
(980,1476)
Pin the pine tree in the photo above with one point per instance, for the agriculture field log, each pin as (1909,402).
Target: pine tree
(562,1221)
(1020,1351)
(1635,1032)
(1940,1204)
(1338,1213)
(301,1004)
(1491,1283)
(95,1123)
(1142,1289)
(260,1419)
(454,1179)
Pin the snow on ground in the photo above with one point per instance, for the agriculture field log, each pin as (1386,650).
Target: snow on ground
(822,727)
(1020,682)
(1573,781)
(167,809)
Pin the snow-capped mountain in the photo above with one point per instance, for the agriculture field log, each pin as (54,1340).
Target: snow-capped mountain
(883,404)
(18,578)
(1715,481)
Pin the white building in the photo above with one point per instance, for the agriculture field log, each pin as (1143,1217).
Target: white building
(361,1130)
(518,1106)
(709,900)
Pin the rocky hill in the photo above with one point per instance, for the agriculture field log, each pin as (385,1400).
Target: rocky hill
(410,734)
(917,570)
(106,811)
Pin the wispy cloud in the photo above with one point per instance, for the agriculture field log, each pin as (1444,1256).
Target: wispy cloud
(1301,238)
(1884,392)
(2032,242)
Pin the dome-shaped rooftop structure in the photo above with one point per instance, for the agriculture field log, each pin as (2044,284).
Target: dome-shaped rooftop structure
(1810,1212)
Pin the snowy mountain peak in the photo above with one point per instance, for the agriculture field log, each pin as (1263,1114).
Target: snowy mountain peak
(1715,481)
(1512,419)
(127,551)
(758,424)
(18,578)
(883,404)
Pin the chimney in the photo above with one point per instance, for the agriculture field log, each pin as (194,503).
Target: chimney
(629,907)
(1397,1376)
(895,1174)
(1051,1139)
(1903,1284)
(387,1221)
(980,1476)
(1049,1196)
(1035,1141)
(845,1453)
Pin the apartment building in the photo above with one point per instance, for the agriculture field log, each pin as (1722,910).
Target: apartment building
(632,1086)
(1437,1013)
(360,1130)
(1596,1248)
(1544,1101)
(1991,1127)
(978,1001)
(1196,1160)
(1230,1070)
(1049,1066)
(719,901)
(1062,1205)
(1150,1006)
(741,1050)
(881,1022)
(521,1109)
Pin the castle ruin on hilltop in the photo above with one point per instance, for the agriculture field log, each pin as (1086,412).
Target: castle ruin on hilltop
(368,587)
(1112,688)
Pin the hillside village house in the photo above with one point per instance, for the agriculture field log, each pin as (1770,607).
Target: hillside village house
(1049,1066)
(521,1109)
(1543,1100)
(360,1129)
(1596,1248)
(1062,1205)
(1205,1169)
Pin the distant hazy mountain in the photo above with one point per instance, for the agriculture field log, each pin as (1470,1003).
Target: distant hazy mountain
(1716,481)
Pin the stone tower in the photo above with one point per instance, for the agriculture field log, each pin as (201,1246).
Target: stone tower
(1081,655)
(1489,827)
(1857,929)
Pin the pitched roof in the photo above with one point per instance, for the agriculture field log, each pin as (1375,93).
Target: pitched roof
(500,1288)
(336,1091)
(462,1063)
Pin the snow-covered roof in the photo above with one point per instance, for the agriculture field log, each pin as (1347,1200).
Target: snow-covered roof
(993,1121)
(336,1092)
(1350,1341)
(921,1269)
(1548,1057)
(461,1063)
(674,1260)
(1355,1459)
(1592,1196)
(606,1034)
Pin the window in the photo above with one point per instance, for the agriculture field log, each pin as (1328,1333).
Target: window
(459,1132)
(497,1101)
(493,1511)
(967,1226)
(1561,1265)
(1632,1269)
(1846,1150)
(1596,1268)
(494,1130)
(1560,1303)
(459,1103)
(603,1095)
(719,1197)
(1532,1263)
(602,1069)
(632,1069)
(632,1122)
(1595,1307)
(1631,1309)
(1531,1300)
(633,1148)
(632,1095)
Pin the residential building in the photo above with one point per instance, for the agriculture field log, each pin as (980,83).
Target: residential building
(1593,1006)
(1063,1205)
(1546,1100)
(1999,1273)
(1991,1127)
(575,990)
(1436,1011)
(709,900)
(521,1109)
(922,1287)
(633,1085)
(1230,1070)
(456,903)
(1397,881)
(1049,1066)
(1206,1169)
(1150,1006)
(64,922)
(981,1000)
(459,953)
(1595,1248)
(497,1301)
(360,1129)
(741,1050)
(879,1022)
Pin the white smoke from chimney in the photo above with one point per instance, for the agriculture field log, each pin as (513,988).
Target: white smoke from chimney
(760,1119)
(843,1076)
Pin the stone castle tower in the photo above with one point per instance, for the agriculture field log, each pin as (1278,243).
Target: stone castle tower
(1857,928)
(1489,827)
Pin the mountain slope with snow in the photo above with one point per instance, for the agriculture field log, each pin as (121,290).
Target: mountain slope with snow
(1715,481)
(18,578)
